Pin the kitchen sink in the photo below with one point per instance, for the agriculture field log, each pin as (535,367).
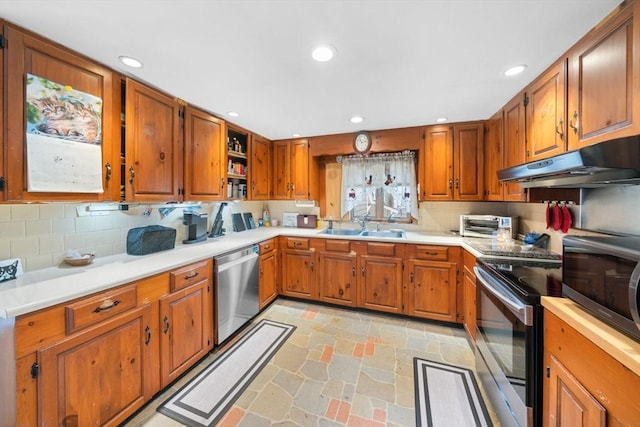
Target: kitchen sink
(341,232)
(366,233)
(383,233)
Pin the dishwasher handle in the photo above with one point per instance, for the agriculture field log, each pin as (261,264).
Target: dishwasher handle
(227,265)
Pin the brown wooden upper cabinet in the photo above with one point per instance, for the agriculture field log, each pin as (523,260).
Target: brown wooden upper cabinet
(493,156)
(153,154)
(545,111)
(205,156)
(291,166)
(260,168)
(514,144)
(453,162)
(25,54)
(603,83)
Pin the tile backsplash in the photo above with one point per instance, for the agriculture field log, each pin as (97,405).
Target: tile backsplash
(39,234)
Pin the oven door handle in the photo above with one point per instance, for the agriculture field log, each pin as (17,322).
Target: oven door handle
(634,288)
(523,312)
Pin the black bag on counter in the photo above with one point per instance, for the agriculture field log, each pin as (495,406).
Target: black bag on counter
(150,239)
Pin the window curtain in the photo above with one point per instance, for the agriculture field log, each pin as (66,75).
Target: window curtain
(391,176)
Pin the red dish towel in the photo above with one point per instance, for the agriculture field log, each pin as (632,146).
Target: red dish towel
(549,215)
(557,217)
(566,219)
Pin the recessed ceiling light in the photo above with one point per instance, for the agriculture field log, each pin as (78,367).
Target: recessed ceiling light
(130,61)
(515,70)
(295,135)
(323,53)
(233,114)
(356,119)
(441,119)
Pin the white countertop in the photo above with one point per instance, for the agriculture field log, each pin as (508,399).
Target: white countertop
(43,288)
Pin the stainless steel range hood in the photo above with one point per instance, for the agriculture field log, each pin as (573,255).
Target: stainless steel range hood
(615,162)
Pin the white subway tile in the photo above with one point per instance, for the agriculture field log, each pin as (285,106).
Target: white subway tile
(24,212)
(12,230)
(61,226)
(38,228)
(51,244)
(24,247)
(37,262)
(74,241)
(85,224)
(52,211)
(5,213)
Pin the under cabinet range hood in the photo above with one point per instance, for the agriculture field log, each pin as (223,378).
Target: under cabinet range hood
(615,162)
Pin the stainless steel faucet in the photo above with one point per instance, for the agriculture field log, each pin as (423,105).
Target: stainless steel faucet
(362,222)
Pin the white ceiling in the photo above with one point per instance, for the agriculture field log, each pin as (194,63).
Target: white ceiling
(399,63)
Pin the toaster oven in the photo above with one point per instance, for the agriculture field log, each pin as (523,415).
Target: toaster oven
(490,226)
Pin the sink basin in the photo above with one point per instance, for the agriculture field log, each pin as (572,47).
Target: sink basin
(341,232)
(383,233)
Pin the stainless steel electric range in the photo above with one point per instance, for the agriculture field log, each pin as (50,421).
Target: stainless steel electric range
(509,347)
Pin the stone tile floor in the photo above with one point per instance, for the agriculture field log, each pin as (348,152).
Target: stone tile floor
(339,368)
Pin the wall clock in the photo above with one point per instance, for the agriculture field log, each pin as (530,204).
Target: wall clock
(362,142)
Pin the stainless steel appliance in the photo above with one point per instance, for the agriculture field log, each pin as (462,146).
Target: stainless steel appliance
(615,162)
(509,347)
(491,226)
(236,279)
(602,274)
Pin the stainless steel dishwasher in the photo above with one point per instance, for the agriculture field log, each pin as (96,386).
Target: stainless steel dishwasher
(236,276)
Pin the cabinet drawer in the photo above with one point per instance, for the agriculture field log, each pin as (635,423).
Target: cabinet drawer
(293,243)
(188,275)
(89,311)
(437,253)
(267,245)
(338,245)
(377,248)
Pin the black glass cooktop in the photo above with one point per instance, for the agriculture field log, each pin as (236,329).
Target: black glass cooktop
(529,279)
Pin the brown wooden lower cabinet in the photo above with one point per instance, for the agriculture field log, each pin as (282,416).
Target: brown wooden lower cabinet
(298,268)
(98,376)
(584,385)
(97,359)
(337,265)
(381,277)
(469,289)
(268,272)
(432,289)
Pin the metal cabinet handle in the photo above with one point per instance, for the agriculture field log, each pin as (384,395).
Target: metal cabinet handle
(311,265)
(340,292)
(147,333)
(132,174)
(191,275)
(106,305)
(457,183)
(353,272)
(362,271)
(411,278)
(162,155)
(166,325)
(450,183)
(573,125)
(559,129)
(107,175)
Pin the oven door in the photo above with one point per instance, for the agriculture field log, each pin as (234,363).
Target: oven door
(506,349)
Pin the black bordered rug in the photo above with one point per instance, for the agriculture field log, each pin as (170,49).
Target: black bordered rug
(206,398)
(447,396)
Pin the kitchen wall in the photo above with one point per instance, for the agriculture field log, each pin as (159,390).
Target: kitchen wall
(39,234)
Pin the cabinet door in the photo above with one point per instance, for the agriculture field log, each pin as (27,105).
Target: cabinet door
(184,330)
(268,290)
(28,54)
(100,376)
(468,143)
(205,156)
(432,290)
(546,124)
(493,156)
(300,169)
(514,144)
(437,183)
(298,271)
(153,154)
(381,283)
(338,278)
(570,404)
(602,85)
(469,286)
(260,168)
(281,164)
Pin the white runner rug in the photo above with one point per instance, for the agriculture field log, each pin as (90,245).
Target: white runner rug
(206,398)
(447,396)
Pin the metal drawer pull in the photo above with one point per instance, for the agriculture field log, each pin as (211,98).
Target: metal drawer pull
(166,325)
(147,332)
(191,276)
(107,176)
(106,305)
(132,173)
(431,253)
